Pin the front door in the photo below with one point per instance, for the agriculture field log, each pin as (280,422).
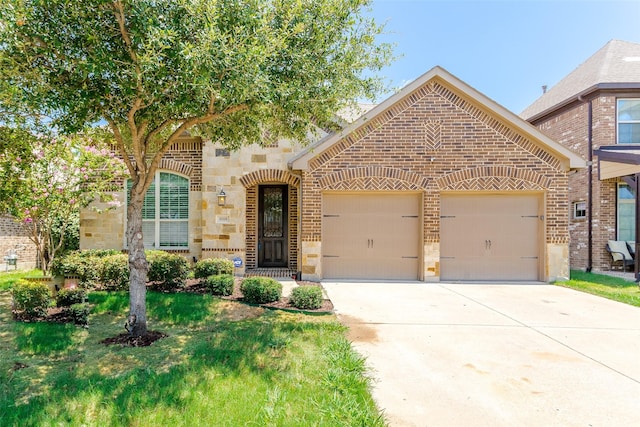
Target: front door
(272,226)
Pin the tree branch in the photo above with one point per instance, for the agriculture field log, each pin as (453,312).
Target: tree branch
(121,148)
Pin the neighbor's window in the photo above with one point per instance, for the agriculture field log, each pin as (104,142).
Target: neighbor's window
(579,210)
(628,121)
(626,213)
(165,214)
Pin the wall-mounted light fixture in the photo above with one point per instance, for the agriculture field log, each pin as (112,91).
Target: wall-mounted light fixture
(222,197)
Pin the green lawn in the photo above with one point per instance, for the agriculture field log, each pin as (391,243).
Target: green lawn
(222,364)
(613,288)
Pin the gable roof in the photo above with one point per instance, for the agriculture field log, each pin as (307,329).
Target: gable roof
(614,66)
(301,161)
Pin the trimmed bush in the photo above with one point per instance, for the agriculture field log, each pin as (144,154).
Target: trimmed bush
(306,297)
(85,265)
(68,297)
(212,267)
(261,290)
(79,313)
(114,272)
(32,297)
(167,271)
(220,284)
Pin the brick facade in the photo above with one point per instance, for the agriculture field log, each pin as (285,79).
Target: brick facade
(570,127)
(435,140)
(13,237)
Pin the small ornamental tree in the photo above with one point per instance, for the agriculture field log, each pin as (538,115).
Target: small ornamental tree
(60,177)
(233,71)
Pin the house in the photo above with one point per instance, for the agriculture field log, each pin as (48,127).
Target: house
(595,112)
(438,182)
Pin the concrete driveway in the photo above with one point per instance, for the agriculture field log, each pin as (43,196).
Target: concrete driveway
(495,355)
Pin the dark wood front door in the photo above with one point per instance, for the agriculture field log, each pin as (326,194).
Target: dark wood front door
(273,218)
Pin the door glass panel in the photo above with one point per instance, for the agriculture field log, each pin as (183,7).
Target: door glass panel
(273,214)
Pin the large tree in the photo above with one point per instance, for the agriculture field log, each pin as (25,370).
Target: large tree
(234,71)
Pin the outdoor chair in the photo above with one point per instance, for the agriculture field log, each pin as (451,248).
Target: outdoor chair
(631,245)
(620,256)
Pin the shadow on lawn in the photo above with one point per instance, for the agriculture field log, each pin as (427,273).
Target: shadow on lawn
(77,393)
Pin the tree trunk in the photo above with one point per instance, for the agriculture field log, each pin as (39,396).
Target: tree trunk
(138,267)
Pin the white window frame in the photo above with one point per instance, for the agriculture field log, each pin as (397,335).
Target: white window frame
(157,220)
(577,208)
(619,202)
(618,121)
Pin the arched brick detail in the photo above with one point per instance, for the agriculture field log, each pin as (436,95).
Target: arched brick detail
(494,178)
(175,166)
(269,175)
(373,178)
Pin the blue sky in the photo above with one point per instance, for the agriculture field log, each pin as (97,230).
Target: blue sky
(505,49)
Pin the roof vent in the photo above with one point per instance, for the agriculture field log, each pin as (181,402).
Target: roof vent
(544,88)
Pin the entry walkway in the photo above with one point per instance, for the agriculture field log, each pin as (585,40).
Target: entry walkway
(495,355)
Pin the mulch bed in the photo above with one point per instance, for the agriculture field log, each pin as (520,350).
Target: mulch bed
(194,286)
(127,340)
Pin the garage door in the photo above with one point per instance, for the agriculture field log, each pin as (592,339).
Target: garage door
(370,236)
(490,237)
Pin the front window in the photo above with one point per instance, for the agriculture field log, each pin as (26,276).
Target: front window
(165,214)
(626,213)
(628,121)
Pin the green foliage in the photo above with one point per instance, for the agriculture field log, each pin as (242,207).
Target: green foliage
(261,290)
(69,297)
(85,265)
(67,230)
(306,297)
(79,313)
(167,271)
(114,272)
(220,284)
(212,266)
(613,288)
(33,298)
(62,176)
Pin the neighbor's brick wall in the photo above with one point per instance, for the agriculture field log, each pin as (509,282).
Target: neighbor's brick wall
(432,141)
(12,236)
(570,128)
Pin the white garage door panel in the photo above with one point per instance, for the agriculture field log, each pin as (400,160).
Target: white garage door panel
(370,236)
(490,237)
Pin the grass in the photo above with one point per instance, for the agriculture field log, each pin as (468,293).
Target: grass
(223,363)
(7,279)
(613,288)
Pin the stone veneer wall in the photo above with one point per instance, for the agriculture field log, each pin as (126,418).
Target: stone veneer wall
(435,140)
(12,236)
(570,128)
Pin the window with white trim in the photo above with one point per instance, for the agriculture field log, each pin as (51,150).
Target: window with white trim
(626,210)
(165,213)
(628,118)
(579,210)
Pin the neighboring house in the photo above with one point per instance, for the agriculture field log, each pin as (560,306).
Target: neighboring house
(438,182)
(595,112)
(14,240)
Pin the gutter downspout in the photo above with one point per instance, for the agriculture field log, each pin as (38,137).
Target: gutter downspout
(590,189)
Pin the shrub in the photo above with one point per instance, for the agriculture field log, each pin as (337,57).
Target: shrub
(114,272)
(212,266)
(79,313)
(68,297)
(306,297)
(32,297)
(167,271)
(220,284)
(85,265)
(261,290)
